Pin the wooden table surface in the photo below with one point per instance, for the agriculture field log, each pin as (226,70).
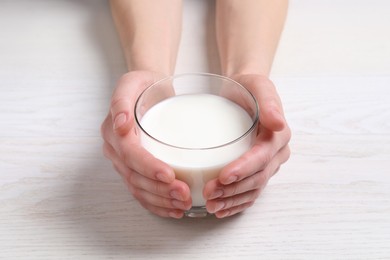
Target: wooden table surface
(61,199)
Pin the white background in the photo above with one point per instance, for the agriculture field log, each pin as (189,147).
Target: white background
(60,199)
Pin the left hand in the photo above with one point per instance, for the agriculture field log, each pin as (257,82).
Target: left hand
(241,182)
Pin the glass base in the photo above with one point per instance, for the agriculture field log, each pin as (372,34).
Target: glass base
(197,212)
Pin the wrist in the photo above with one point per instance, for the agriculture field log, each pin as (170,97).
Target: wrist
(247,68)
(149,61)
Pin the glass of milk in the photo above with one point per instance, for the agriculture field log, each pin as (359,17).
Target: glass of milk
(197,123)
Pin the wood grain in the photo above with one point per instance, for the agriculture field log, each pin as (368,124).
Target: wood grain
(60,199)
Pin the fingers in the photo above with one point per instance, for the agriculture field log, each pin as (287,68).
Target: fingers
(122,136)
(110,153)
(226,200)
(129,87)
(163,212)
(270,106)
(130,151)
(147,198)
(176,190)
(234,201)
(267,145)
(140,160)
(151,181)
(121,115)
(234,210)
(253,182)
(273,135)
(166,200)
(239,183)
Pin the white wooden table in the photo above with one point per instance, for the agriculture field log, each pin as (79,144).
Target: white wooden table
(60,199)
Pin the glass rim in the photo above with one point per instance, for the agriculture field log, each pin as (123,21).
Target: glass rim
(245,134)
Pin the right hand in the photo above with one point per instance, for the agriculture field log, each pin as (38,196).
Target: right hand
(151,181)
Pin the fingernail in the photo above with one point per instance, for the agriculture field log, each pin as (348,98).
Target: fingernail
(277,115)
(219,205)
(216,194)
(231,179)
(174,214)
(163,177)
(120,120)
(223,214)
(178,204)
(176,195)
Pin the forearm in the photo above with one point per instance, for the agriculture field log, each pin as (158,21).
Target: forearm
(248,33)
(149,31)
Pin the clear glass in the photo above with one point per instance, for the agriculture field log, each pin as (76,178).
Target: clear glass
(197,165)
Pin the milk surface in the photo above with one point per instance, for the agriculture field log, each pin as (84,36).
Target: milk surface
(195,133)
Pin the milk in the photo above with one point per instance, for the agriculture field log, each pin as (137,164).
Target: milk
(195,134)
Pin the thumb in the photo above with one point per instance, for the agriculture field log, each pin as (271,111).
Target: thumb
(271,115)
(124,97)
(270,106)
(121,114)
(129,87)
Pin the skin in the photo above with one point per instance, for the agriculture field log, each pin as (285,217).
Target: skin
(150,33)
(248,33)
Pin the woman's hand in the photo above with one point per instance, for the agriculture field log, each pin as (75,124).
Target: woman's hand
(241,182)
(151,181)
